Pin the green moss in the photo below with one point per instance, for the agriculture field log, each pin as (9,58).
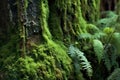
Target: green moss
(22,69)
(71,16)
(55,63)
(49,61)
(90,10)
(79,24)
(8,55)
(53,56)
(44,14)
(26,3)
(46,62)
(9,47)
(59,51)
(54,25)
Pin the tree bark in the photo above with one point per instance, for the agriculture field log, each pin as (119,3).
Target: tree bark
(4,21)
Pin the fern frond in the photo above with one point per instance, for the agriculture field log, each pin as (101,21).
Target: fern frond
(115,75)
(116,42)
(108,14)
(85,36)
(107,21)
(107,61)
(91,28)
(98,49)
(79,57)
(108,30)
(111,52)
(98,35)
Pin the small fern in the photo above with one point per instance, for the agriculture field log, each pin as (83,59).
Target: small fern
(80,61)
(98,49)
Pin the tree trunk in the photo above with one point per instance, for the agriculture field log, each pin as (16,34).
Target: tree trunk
(41,32)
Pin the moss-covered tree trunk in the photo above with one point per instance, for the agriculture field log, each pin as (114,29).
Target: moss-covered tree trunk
(41,34)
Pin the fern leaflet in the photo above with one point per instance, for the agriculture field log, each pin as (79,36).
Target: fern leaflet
(99,49)
(115,75)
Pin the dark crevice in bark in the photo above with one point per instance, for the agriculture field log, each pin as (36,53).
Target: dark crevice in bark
(107,5)
(4,20)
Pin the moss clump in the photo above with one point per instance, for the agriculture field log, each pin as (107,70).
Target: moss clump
(8,55)
(44,14)
(55,62)
(44,62)
(23,69)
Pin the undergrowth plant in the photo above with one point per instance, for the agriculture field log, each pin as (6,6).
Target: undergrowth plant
(80,61)
(98,49)
(115,75)
(103,42)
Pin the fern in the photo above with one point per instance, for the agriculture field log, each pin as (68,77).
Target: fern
(108,14)
(80,61)
(107,62)
(111,48)
(98,35)
(99,49)
(93,35)
(92,28)
(115,75)
(84,36)
(110,57)
(109,20)
(116,42)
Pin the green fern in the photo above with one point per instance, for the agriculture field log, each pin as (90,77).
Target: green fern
(111,48)
(98,49)
(109,20)
(92,29)
(108,14)
(99,35)
(84,36)
(110,58)
(116,42)
(80,61)
(115,75)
